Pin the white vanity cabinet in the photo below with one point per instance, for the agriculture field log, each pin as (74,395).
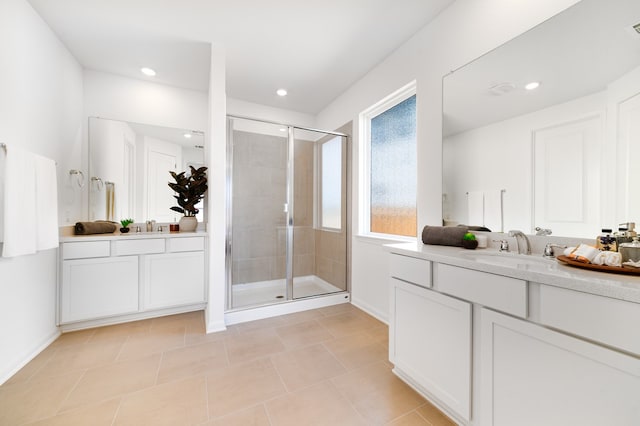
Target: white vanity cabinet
(500,347)
(114,279)
(532,375)
(430,336)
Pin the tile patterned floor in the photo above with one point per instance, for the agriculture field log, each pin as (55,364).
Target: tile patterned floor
(322,367)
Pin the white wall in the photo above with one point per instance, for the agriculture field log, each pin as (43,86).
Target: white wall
(464,31)
(216,158)
(263,112)
(40,111)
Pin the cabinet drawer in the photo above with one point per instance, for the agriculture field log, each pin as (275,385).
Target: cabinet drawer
(85,249)
(494,291)
(410,269)
(133,247)
(176,245)
(609,321)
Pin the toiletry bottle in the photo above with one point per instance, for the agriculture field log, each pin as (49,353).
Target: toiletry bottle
(606,241)
(622,235)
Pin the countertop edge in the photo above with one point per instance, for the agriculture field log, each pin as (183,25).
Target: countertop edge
(131,236)
(621,287)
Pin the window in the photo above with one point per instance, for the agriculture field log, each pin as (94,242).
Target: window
(331,184)
(388,201)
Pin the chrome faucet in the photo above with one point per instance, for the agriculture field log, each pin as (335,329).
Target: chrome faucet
(527,245)
(548,250)
(543,231)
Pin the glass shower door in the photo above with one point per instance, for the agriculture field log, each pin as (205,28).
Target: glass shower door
(258,157)
(319,214)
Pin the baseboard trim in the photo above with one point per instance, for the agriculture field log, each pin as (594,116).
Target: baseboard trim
(376,313)
(215,326)
(119,319)
(289,307)
(6,375)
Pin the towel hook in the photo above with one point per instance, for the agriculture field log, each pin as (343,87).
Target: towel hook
(99,182)
(79,177)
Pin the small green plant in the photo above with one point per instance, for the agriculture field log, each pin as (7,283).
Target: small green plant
(469,237)
(126,222)
(189,190)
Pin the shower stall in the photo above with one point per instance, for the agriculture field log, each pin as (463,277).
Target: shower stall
(288,216)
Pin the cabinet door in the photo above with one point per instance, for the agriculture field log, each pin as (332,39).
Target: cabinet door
(535,376)
(173,279)
(96,288)
(431,344)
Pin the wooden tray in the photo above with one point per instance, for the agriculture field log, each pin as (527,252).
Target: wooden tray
(601,268)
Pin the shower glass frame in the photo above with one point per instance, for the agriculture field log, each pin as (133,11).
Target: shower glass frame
(289,207)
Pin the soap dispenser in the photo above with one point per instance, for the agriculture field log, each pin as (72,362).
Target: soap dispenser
(606,241)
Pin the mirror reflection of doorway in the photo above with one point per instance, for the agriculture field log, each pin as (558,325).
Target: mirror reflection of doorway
(136,159)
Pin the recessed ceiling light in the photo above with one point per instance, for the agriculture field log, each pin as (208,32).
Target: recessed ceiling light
(283,129)
(281,92)
(533,85)
(187,135)
(148,71)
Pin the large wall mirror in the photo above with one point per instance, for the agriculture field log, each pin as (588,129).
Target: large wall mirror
(564,155)
(129,166)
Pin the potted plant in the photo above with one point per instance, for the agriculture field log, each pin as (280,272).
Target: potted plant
(125,225)
(189,189)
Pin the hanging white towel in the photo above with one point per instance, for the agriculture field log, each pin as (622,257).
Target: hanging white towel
(493,210)
(19,207)
(46,204)
(475,208)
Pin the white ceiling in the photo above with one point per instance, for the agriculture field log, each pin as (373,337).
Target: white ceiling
(314,49)
(574,54)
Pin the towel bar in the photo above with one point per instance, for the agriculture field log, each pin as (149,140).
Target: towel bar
(502,190)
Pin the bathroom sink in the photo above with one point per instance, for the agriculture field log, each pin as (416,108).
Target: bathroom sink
(513,260)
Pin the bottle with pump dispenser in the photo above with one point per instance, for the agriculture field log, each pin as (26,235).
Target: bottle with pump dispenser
(606,241)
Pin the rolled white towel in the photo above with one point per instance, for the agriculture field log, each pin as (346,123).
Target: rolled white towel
(609,258)
(613,258)
(568,251)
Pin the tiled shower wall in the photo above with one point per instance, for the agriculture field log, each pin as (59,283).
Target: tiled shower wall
(331,257)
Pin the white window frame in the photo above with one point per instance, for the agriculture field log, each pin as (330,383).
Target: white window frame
(364,151)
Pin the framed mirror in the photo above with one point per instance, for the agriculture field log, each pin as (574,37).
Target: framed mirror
(129,165)
(544,131)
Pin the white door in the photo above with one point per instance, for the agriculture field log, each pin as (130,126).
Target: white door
(531,375)
(566,177)
(628,148)
(162,157)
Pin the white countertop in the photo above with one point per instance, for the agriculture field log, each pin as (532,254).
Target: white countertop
(551,272)
(130,235)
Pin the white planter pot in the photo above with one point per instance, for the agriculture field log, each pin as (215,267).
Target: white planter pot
(188,224)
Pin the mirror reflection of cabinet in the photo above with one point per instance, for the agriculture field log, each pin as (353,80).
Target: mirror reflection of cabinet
(129,166)
(499,135)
